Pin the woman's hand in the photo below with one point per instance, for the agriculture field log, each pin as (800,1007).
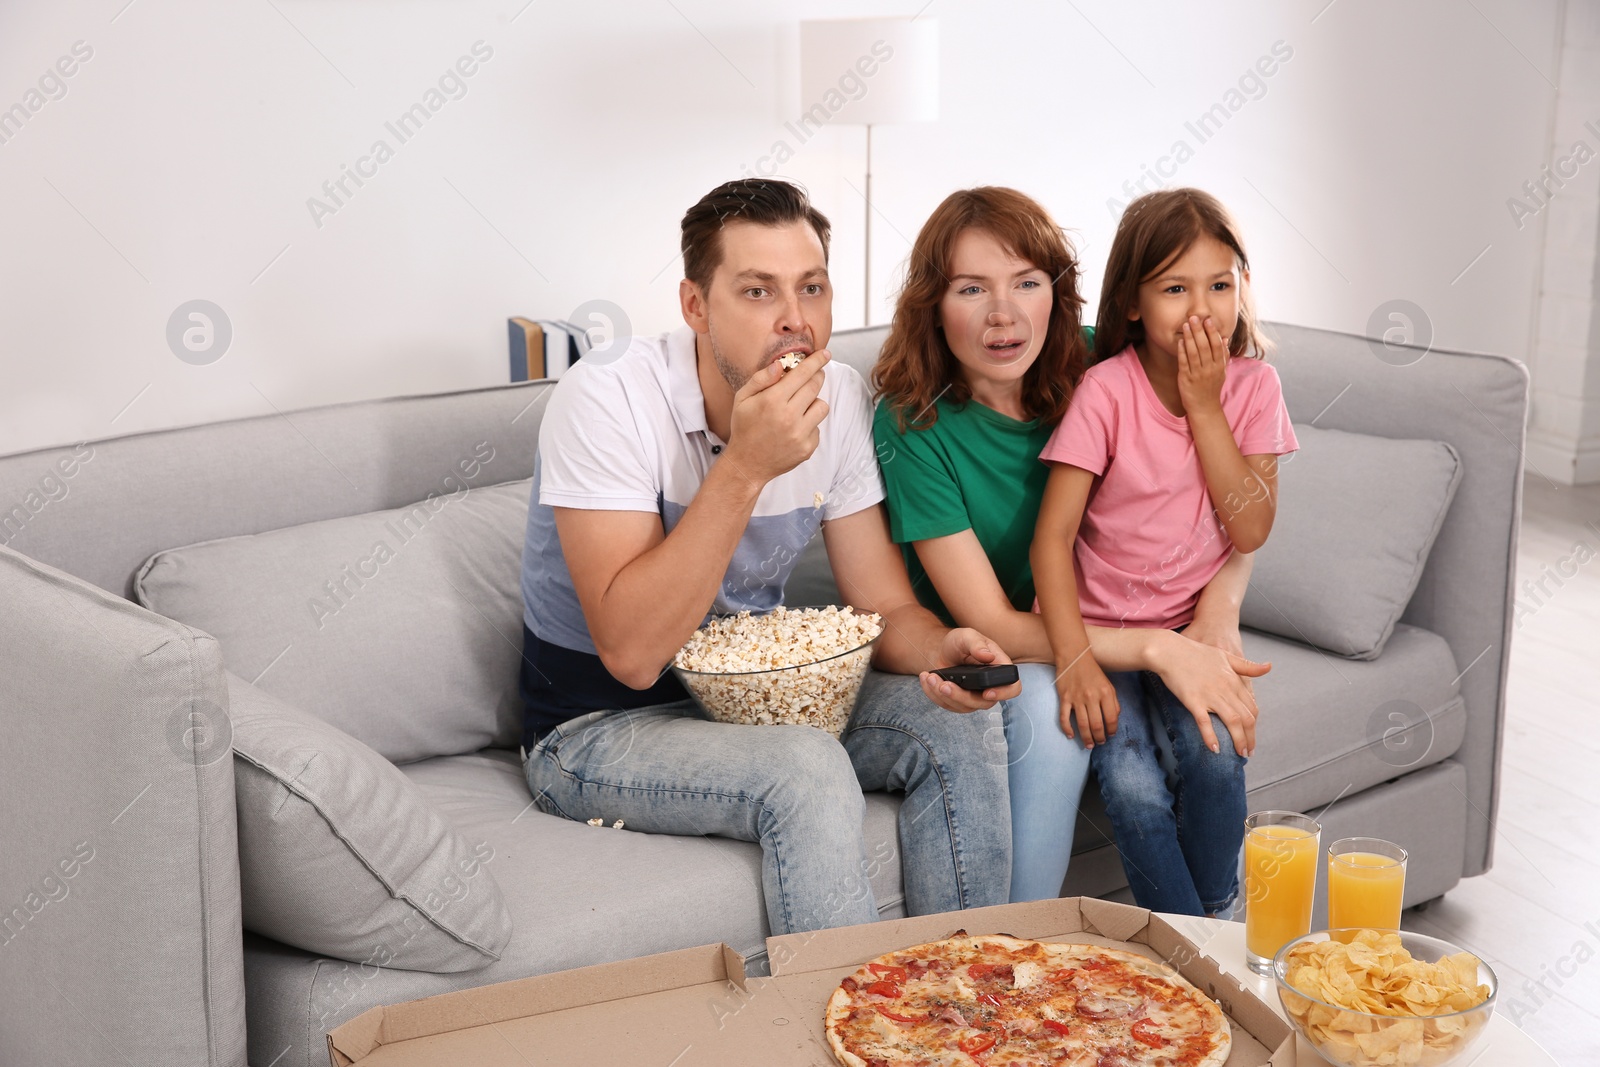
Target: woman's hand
(966,645)
(1088,696)
(1218,633)
(1202,365)
(1212,681)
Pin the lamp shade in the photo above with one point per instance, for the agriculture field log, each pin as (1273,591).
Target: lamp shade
(870,71)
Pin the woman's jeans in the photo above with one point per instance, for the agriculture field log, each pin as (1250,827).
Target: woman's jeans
(667,769)
(1047,773)
(1179,842)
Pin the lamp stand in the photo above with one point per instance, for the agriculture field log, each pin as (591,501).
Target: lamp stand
(866,273)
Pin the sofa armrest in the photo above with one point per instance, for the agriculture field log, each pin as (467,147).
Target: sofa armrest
(1479,405)
(120,937)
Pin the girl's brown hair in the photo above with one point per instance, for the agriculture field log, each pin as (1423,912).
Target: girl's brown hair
(1156,229)
(916,366)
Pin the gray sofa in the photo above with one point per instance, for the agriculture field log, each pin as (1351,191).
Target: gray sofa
(138,955)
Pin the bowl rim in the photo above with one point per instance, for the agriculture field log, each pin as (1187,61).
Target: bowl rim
(1280,960)
(868,643)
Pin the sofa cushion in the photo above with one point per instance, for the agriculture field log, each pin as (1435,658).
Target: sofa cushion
(340,854)
(1356,517)
(402,628)
(583,894)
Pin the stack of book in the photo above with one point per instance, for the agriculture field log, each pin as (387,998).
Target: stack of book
(543,348)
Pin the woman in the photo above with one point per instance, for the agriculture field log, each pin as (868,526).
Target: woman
(979,366)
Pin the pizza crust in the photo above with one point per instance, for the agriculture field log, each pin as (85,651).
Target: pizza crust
(1060,954)
(838,1008)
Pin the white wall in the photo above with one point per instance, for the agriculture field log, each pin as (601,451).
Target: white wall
(1376,165)
(1564,431)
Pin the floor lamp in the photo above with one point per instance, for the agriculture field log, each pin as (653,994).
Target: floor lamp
(866,72)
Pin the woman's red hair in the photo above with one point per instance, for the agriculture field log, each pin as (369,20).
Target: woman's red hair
(916,366)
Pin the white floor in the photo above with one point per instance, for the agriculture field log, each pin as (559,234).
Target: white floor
(1535,917)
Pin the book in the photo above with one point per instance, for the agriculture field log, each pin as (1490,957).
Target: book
(527,349)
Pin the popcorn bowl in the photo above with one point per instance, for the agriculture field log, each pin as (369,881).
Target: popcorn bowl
(1352,1038)
(820,693)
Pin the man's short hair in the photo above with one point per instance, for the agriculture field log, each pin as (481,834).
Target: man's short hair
(763,201)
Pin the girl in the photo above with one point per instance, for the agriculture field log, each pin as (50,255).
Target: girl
(977,370)
(1165,464)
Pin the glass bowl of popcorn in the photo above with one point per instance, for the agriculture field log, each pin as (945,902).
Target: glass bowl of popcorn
(789,666)
(1385,998)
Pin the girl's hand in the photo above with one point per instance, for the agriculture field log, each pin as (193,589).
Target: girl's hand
(1202,364)
(1211,681)
(1088,696)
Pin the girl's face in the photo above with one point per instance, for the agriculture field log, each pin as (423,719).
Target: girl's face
(995,309)
(1204,281)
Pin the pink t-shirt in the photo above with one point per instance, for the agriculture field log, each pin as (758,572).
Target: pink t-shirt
(1150,538)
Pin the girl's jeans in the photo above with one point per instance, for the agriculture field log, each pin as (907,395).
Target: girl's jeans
(1179,843)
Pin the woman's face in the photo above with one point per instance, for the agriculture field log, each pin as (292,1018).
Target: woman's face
(995,309)
(1204,281)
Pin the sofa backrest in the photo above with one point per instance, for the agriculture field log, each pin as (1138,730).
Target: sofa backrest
(129,497)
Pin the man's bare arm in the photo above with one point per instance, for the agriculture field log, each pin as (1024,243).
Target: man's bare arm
(643,593)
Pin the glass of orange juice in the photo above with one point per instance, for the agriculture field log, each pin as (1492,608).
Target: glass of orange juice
(1366,883)
(1280,882)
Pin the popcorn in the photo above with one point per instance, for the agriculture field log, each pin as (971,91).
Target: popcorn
(617,825)
(790,360)
(793,666)
(816,500)
(597,822)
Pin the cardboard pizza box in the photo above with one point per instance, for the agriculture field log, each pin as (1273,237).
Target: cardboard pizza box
(679,1008)
(809,966)
(696,1006)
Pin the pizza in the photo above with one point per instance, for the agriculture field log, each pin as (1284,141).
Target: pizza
(995,1000)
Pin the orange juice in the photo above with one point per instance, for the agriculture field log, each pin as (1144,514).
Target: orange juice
(1280,881)
(1365,889)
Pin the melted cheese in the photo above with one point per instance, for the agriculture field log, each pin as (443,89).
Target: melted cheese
(1026,973)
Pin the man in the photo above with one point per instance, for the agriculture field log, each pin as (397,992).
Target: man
(681,477)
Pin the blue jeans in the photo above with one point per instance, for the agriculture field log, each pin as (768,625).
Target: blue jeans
(1047,773)
(1179,844)
(797,791)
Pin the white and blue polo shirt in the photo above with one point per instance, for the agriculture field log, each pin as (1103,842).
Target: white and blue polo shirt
(630,434)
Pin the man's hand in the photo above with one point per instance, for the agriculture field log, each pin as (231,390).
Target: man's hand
(965,645)
(1202,365)
(1088,697)
(776,415)
(1211,681)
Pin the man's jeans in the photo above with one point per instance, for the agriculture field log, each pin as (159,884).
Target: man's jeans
(1180,846)
(667,769)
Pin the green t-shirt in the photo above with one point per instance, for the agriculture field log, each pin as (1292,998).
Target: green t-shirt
(972,469)
(976,469)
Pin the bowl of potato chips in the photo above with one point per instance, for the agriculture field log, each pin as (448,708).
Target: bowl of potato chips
(1385,998)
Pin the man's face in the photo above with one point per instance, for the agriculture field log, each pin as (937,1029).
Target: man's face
(769,295)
